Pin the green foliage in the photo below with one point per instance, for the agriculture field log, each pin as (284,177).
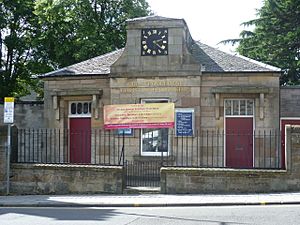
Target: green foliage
(74,30)
(276,38)
(37,36)
(16,19)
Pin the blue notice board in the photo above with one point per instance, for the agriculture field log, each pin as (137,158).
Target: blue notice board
(184,122)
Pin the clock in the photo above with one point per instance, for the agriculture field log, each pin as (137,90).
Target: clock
(154,41)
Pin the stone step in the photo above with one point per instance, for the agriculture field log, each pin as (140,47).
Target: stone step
(141,190)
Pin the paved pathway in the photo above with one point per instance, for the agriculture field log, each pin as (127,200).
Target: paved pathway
(146,200)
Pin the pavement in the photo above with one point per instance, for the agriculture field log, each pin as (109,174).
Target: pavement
(150,200)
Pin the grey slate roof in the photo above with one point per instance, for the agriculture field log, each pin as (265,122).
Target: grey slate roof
(212,60)
(99,65)
(215,60)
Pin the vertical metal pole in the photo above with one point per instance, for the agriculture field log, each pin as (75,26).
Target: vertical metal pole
(95,146)
(109,148)
(207,143)
(123,148)
(29,147)
(212,148)
(8,158)
(197,135)
(104,146)
(187,151)
(162,157)
(218,136)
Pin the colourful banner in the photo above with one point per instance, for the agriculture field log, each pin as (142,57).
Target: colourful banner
(150,115)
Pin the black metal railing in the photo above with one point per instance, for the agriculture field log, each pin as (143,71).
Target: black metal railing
(259,149)
(61,146)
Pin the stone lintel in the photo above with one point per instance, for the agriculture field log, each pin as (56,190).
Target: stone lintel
(77,92)
(240,90)
(96,95)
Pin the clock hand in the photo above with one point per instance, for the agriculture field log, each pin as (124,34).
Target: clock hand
(158,45)
(160,39)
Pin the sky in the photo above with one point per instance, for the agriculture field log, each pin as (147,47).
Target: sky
(210,21)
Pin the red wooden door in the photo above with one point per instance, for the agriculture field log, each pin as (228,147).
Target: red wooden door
(80,140)
(239,142)
(283,124)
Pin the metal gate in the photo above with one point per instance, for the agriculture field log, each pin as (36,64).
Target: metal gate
(143,173)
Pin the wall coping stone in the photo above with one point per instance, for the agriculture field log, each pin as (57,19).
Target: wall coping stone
(227,170)
(60,166)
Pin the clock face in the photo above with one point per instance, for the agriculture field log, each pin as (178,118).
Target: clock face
(154,41)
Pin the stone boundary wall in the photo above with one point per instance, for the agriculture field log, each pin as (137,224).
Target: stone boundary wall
(65,179)
(27,114)
(200,180)
(290,101)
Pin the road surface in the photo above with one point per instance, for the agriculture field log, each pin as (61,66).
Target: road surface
(226,215)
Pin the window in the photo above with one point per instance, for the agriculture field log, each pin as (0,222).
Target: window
(154,141)
(236,107)
(239,107)
(80,109)
(243,107)
(86,108)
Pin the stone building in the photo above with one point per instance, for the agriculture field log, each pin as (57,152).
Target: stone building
(289,113)
(162,63)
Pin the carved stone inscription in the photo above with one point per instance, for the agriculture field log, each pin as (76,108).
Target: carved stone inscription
(155,86)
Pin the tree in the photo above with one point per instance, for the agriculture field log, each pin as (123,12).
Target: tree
(74,30)
(16,19)
(276,38)
(37,36)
